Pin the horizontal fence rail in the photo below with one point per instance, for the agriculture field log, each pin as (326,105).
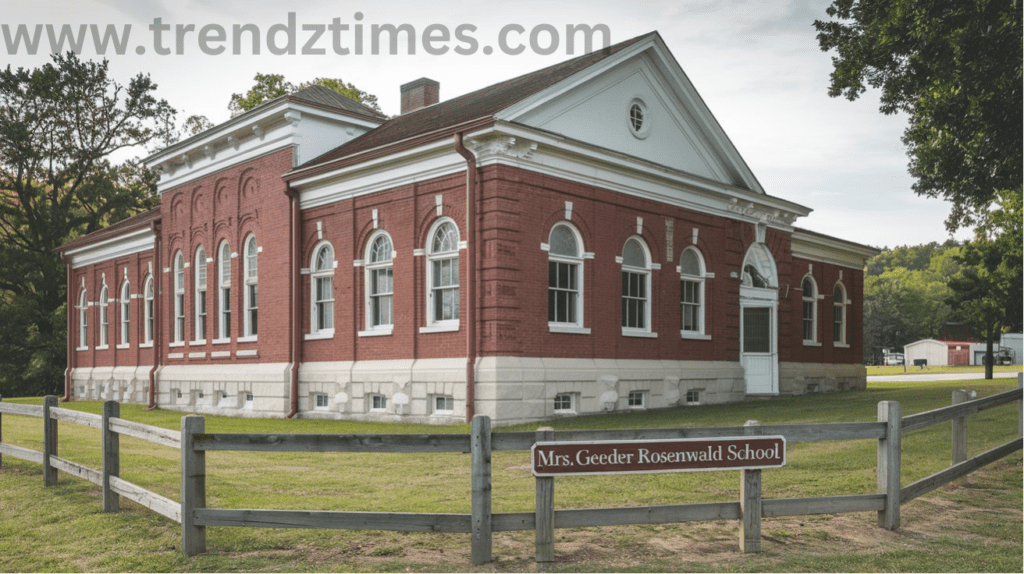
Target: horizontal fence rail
(305,442)
(149,433)
(796,433)
(401,521)
(194,443)
(22,410)
(151,500)
(946,414)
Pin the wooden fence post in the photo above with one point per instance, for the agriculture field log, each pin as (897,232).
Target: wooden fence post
(959,429)
(891,413)
(193,485)
(49,441)
(480,453)
(545,510)
(111,456)
(1020,407)
(750,505)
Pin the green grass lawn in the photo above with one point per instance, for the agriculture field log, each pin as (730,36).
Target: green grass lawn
(62,528)
(912,370)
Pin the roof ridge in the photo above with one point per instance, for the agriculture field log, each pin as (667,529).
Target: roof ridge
(482,102)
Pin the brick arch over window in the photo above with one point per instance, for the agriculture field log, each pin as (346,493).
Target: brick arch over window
(652,243)
(578,222)
(427,221)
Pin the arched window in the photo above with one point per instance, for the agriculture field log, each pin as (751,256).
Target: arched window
(322,271)
(380,282)
(200,294)
(839,314)
(179,297)
(83,320)
(636,287)
(251,299)
(443,274)
(691,298)
(810,306)
(104,318)
(147,310)
(126,296)
(565,276)
(224,291)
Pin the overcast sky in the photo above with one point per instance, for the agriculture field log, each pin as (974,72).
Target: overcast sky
(755,63)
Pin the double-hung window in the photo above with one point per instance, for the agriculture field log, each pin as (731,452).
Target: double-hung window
(565,277)
(636,288)
(839,314)
(179,297)
(224,291)
(443,275)
(251,298)
(322,272)
(810,309)
(691,298)
(147,310)
(200,278)
(380,283)
(83,319)
(125,305)
(104,319)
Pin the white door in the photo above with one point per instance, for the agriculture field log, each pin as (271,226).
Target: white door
(758,353)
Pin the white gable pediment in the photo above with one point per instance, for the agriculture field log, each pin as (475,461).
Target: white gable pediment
(678,132)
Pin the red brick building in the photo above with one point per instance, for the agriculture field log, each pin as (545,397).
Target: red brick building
(580,239)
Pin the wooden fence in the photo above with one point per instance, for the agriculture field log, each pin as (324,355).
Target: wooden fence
(194,515)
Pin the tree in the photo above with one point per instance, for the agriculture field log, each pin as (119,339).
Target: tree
(988,291)
(270,86)
(955,69)
(58,126)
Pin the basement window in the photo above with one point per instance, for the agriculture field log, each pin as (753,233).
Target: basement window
(565,403)
(444,405)
(320,402)
(378,402)
(693,396)
(637,399)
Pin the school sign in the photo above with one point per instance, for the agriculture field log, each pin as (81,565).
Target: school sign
(653,456)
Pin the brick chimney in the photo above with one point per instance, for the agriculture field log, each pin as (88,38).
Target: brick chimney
(419,94)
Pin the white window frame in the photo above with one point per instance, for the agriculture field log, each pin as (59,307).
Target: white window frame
(812,300)
(250,293)
(447,406)
(839,306)
(575,263)
(321,272)
(125,307)
(637,400)
(378,403)
(83,320)
(201,280)
(148,311)
(371,268)
(564,403)
(644,296)
(700,281)
(224,272)
(104,303)
(179,298)
(433,322)
(319,398)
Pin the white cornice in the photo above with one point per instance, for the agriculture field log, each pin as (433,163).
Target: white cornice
(248,136)
(830,250)
(546,153)
(127,243)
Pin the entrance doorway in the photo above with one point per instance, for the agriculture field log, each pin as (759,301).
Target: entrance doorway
(759,304)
